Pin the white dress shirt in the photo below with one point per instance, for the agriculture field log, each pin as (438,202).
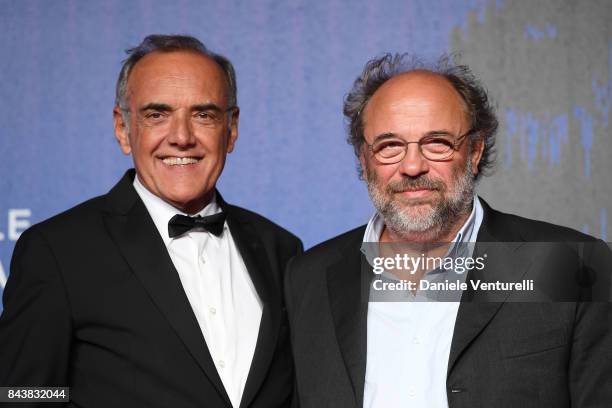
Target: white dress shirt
(219,290)
(408,343)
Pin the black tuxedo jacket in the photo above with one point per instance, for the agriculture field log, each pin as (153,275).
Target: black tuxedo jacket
(94,302)
(503,354)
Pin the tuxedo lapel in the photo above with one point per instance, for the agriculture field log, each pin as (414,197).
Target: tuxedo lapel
(136,236)
(253,254)
(504,262)
(347,282)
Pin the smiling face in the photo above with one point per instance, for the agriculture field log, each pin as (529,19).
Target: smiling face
(420,199)
(180,126)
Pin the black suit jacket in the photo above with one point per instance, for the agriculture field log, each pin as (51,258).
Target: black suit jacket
(94,302)
(503,354)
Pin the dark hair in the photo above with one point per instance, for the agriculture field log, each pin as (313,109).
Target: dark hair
(170,43)
(379,70)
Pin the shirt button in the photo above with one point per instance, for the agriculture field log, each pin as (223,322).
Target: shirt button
(411,392)
(212,311)
(415,340)
(203,258)
(221,363)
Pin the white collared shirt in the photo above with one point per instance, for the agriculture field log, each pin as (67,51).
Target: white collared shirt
(219,290)
(408,343)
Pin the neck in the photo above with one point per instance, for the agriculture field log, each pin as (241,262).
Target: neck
(195,206)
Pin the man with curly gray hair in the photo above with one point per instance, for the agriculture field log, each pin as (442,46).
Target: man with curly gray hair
(368,331)
(439,216)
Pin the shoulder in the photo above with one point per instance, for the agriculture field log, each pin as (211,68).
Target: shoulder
(75,221)
(52,241)
(266,228)
(330,251)
(511,227)
(305,275)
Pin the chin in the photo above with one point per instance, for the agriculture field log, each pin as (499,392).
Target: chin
(419,214)
(190,198)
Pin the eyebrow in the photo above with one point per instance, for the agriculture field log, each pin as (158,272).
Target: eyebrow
(439,133)
(387,135)
(164,107)
(391,135)
(207,107)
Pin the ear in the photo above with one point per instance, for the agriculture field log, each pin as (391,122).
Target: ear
(233,130)
(121,131)
(478,145)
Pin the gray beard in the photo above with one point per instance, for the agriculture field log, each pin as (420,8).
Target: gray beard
(434,219)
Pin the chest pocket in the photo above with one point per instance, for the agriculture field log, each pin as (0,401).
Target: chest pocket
(522,344)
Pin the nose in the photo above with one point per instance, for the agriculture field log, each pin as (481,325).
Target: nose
(181,131)
(413,164)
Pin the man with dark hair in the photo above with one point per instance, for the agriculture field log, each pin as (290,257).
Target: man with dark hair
(366,327)
(159,293)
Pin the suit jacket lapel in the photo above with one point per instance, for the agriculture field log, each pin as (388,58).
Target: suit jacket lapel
(253,254)
(505,263)
(347,282)
(132,228)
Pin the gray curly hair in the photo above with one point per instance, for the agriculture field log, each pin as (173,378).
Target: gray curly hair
(377,71)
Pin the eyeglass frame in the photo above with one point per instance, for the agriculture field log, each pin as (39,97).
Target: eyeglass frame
(455,147)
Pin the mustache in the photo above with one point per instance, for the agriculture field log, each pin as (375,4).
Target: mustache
(422,182)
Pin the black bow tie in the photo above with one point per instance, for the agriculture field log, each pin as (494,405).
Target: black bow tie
(180,224)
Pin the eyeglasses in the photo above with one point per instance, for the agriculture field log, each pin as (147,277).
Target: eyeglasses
(388,149)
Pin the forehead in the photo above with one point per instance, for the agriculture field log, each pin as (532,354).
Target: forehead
(179,73)
(419,97)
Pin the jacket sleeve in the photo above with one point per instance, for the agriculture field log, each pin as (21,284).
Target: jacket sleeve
(35,326)
(590,369)
(287,289)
